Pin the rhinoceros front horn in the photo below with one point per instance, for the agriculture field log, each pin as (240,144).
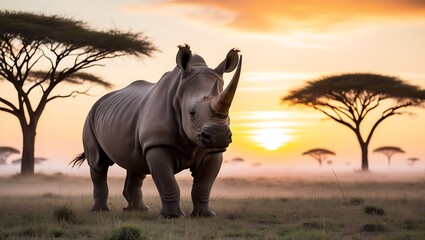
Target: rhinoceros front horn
(221,104)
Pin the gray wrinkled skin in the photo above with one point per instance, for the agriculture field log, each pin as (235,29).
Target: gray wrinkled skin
(161,129)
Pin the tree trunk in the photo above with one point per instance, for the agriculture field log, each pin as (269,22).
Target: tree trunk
(27,163)
(365,160)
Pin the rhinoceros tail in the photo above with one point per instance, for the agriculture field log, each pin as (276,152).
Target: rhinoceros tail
(78,160)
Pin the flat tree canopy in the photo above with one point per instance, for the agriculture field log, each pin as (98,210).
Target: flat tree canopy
(320,154)
(349,88)
(349,98)
(73,34)
(388,151)
(29,42)
(37,160)
(8,150)
(320,151)
(5,152)
(412,160)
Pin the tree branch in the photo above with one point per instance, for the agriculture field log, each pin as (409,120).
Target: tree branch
(338,110)
(378,101)
(30,66)
(7,110)
(387,113)
(12,109)
(72,94)
(334,118)
(348,109)
(39,83)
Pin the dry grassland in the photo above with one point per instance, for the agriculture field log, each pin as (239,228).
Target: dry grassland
(318,206)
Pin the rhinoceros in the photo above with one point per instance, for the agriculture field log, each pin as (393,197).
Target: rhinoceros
(180,122)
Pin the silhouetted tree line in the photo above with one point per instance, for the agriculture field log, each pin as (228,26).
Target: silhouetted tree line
(322,155)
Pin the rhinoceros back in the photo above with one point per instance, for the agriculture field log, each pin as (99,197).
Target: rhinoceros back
(110,126)
(125,123)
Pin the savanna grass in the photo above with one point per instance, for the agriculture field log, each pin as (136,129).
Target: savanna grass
(127,232)
(65,214)
(318,217)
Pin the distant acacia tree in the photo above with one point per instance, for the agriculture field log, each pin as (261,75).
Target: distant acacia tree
(412,160)
(238,159)
(5,152)
(388,151)
(319,154)
(349,98)
(30,43)
(37,160)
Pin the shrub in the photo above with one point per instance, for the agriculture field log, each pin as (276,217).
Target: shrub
(356,201)
(127,232)
(374,210)
(372,227)
(65,214)
(313,225)
(57,233)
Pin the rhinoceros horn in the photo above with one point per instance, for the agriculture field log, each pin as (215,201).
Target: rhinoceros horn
(222,102)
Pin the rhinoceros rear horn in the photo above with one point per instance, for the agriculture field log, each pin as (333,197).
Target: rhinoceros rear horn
(221,104)
(228,64)
(183,57)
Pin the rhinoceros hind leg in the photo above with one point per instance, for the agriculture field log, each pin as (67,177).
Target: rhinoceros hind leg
(133,192)
(203,179)
(100,189)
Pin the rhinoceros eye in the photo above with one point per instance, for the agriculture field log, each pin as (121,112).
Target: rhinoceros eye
(192,113)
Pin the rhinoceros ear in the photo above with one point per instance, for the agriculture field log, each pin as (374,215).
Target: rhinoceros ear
(183,57)
(230,63)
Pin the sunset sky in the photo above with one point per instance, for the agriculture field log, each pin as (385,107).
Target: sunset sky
(284,43)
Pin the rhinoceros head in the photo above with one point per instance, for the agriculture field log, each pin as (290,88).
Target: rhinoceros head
(203,103)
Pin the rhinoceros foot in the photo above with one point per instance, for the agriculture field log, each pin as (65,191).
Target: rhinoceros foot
(99,208)
(161,216)
(171,214)
(139,208)
(203,212)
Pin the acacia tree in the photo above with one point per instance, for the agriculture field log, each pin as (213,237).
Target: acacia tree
(31,43)
(5,152)
(349,98)
(412,160)
(37,160)
(388,151)
(319,154)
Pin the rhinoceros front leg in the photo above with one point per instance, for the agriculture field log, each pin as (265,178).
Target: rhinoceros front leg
(100,189)
(203,179)
(161,165)
(133,192)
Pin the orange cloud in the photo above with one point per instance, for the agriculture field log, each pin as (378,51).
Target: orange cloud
(282,15)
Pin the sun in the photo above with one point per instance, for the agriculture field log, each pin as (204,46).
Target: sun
(270,138)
